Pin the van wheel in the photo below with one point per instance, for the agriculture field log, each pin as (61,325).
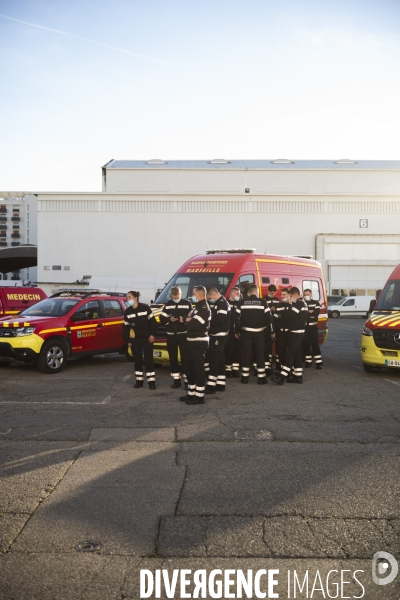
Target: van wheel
(53,356)
(370,369)
(4,363)
(335,314)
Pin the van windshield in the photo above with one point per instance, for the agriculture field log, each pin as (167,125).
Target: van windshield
(187,281)
(51,307)
(390,297)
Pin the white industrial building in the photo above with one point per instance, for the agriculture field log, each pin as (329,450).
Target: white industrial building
(152,215)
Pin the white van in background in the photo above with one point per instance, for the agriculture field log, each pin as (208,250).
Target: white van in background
(351,305)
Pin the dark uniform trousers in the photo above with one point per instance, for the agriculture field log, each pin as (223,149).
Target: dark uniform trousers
(233,349)
(175,342)
(268,350)
(196,377)
(311,346)
(142,347)
(215,357)
(253,340)
(293,361)
(282,339)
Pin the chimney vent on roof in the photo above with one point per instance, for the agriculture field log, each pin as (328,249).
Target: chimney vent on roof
(282,161)
(156,161)
(219,161)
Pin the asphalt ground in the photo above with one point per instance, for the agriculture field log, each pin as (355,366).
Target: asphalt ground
(302,477)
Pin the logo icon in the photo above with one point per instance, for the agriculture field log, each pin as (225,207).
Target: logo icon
(381,562)
(397,338)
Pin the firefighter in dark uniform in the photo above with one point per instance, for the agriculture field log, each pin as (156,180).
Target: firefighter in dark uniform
(310,342)
(138,331)
(176,333)
(272,302)
(292,369)
(219,332)
(233,346)
(281,328)
(197,324)
(254,319)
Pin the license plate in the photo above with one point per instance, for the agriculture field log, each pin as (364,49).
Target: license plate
(158,354)
(392,363)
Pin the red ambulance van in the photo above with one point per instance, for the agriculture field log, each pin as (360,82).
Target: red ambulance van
(380,340)
(225,269)
(13,300)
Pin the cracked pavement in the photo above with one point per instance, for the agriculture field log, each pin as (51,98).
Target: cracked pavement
(259,477)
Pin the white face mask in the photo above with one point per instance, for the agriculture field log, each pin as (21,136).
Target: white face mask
(307,297)
(285,299)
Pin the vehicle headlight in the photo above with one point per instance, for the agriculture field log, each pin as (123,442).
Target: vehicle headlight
(24,331)
(367,331)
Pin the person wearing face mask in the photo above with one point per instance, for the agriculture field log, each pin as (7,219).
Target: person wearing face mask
(233,346)
(138,330)
(292,368)
(176,333)
(197,324)
(219,332)
(311,346)
(272,302)
(281,328)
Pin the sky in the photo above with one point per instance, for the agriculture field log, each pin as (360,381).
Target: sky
(85,81)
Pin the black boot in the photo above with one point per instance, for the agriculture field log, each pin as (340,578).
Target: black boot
(184,398)
(307,366)
(244,380)
(152,386)
(195,400)
(235,374)
(294,379)
(176,384)
(278,379)
(138,384)
(318,367)
(210,390)
(228,374)
(262,381)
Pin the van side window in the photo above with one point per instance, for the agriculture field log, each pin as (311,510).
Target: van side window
(112,308)
(285,279)
(349,302)
(312,285)
(266,280)
(244,281)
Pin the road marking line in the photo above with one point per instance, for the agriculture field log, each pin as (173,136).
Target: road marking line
(56,403)
(6,432)
(106,400)
(394,382)
(354,367)
(126,377)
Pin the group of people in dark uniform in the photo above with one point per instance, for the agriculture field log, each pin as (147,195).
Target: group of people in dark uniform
(218,338)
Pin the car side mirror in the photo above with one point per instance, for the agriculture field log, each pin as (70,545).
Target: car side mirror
(372,305)
(78,317)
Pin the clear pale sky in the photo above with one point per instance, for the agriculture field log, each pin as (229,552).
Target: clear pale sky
(190,79)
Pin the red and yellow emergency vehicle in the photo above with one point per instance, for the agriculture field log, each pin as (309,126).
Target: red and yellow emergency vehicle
(66,324)
(380,340)
(13,300)
(225,269)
